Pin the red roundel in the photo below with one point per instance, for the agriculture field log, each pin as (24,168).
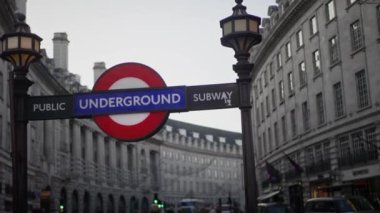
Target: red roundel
(136,126)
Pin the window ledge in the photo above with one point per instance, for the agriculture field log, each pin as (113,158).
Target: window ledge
(321,125)
(350,5)
(303,86)
(307,131)
(332,20)
(357,51)
(314,35)
(319,74)
(364,108)
(341,117)
(338,62)
(300,47)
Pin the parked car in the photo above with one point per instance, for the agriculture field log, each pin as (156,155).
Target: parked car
(273,208)
(225,208)
(339,205)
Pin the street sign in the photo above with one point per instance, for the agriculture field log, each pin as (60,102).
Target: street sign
(131,102)
(121,101)
(49,107)
(215,96)
(137,126)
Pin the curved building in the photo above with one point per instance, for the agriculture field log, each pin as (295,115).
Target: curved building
(317,100)
(74,166)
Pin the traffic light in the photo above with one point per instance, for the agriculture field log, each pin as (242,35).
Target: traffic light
(161,204)
(61,208)
(155,199)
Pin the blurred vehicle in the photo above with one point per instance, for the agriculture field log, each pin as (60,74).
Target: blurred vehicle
(226,208)
(273,208)
(339,205)
(191,206)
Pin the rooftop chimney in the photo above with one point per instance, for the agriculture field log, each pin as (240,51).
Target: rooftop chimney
(99,68)
(60,50)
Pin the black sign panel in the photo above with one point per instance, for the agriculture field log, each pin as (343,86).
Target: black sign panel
(216,96)
(49,107)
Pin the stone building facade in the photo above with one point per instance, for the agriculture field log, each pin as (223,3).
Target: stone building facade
(72,163)
(317,100)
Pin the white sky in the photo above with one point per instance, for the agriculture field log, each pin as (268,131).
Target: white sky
(180,39)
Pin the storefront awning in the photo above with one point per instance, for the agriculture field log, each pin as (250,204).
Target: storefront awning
(269,195)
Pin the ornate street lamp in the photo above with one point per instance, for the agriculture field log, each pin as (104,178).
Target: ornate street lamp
(20,48)
(241,32)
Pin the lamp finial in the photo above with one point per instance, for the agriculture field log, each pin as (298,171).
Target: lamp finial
(20,25)
(239,9)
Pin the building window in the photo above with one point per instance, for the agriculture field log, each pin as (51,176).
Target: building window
(275,131)
(291,83)
(303,76)
(288,50)
(299,39)
(279,60)
(362,89)
(281,91)
(1,85)
(356,36)
(1,130)
(370,136)
(256,90)
(260,147)
(265,78)
(333,47)
(269,140)
(271,73)
(309,158)
(265,144)
(330,10)
(259,81)
(267,105)
(344,146)
(378,17)
(262,112)
(293,122)
(257,115)
(338,96)
(316,62)
(313,25)
(273,99)
(306,116)
(320,109)
(283,125)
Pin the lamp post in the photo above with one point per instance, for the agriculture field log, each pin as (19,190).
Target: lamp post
(241,32)
(20,48)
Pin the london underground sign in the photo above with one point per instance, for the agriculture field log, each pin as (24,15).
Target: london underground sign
(131,102)
(131,127)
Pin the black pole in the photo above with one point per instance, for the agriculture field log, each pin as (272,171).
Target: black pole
(20,143)
(243,69)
